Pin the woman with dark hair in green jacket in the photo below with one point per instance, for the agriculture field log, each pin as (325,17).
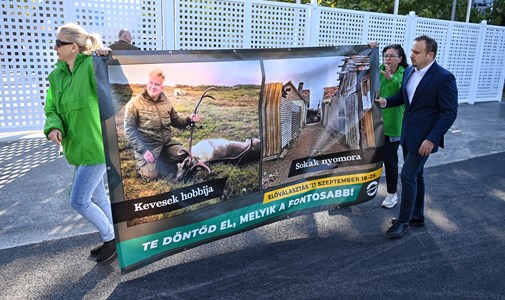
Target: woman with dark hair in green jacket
(391,77)
(73,121)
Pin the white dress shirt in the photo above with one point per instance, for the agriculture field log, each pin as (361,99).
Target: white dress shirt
(414,80)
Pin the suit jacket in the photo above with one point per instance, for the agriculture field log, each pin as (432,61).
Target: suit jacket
(433,109)
(123,45)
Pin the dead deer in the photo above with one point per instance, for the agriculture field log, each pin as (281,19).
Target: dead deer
(218,150)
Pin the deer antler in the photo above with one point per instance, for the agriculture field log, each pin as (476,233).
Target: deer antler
(204,95)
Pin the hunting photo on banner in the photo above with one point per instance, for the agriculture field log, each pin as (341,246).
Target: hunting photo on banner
(208,144)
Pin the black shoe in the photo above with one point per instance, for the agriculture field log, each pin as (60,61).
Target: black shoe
(397,230)
(413,222)
(96,250)
(108,251)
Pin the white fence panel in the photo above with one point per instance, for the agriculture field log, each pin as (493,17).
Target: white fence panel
(387,29)
(460,57)
(473,52)
(278,25)
(209,24)
(143,18)
(437,29)
(490,79)
(27,37)
(341,27)
(26,41)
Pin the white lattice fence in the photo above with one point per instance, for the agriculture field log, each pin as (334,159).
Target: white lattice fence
(437,29)
(143,18)
(26,50)
(460,56)
(263,24)
(27,36)
(387,29)
(209,24)
(492,59)
(341,27)
(278,26)
(473,52)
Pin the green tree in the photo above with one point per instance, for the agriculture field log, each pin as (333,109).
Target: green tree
(423,8)
(496,15)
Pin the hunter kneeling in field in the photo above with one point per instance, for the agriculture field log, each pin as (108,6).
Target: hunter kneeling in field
(148,119)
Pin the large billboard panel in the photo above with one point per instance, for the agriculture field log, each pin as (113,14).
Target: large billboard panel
(279,133)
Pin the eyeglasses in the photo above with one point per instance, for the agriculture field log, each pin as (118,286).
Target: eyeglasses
(62,43)
(390,56)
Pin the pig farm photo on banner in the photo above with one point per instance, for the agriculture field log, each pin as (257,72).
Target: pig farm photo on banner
(206,144)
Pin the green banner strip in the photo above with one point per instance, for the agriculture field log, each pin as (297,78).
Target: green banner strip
(138,249)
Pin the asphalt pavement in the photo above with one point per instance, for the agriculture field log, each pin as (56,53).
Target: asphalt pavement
(337,254)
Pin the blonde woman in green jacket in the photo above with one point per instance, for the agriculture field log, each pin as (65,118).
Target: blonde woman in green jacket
(391,78)
(73,121)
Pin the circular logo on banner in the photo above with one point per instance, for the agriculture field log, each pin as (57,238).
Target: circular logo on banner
(371,189)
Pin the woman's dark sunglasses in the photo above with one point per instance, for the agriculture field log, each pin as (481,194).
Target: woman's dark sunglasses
(62,43)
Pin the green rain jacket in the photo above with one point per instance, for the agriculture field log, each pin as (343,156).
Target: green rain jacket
(72,107)
(393,116)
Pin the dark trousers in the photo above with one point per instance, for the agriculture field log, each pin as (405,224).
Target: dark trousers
(170,156)
(412,200)
(391,164)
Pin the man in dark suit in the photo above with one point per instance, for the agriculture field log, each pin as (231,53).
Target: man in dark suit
(430,96)
(124,42)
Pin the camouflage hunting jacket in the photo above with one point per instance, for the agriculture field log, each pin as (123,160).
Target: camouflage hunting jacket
(147,123)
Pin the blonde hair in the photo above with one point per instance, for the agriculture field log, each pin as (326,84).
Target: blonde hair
(157,73)
(76,34)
